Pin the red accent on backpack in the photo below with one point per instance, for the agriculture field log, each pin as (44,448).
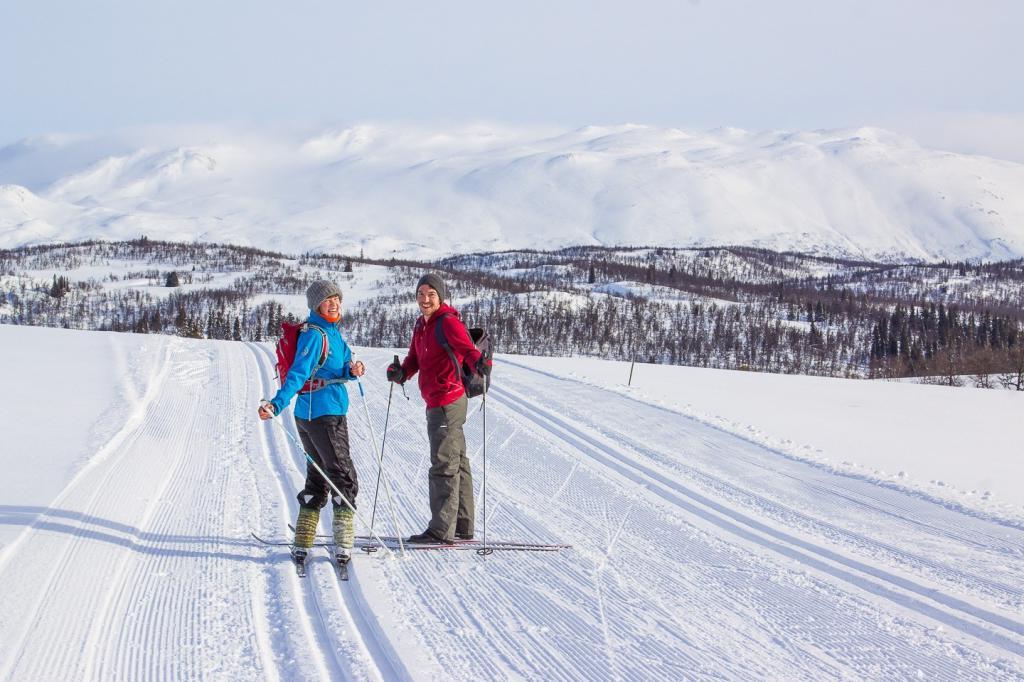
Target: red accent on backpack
(287,346)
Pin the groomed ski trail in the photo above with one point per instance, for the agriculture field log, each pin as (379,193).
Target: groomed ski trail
(139,568)
(695,553)
(337,623)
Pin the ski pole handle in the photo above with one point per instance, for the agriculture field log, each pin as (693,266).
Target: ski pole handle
(266,408)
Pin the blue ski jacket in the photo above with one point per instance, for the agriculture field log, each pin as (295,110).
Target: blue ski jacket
(332,399)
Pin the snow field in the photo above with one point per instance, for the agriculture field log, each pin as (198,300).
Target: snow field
(696,552)
(954,446)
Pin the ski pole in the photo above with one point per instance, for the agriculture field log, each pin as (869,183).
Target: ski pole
(340,494)
(376,490)
(380,467)
(484,551)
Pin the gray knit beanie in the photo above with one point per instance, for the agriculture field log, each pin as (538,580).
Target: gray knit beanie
(319,291)
(434,282)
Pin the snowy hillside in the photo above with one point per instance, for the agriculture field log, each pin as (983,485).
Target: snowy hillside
(705,544)
(428,193)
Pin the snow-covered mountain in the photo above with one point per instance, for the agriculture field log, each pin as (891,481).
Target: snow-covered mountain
(417,192)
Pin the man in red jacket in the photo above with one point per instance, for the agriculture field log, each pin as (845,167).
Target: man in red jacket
(451,482)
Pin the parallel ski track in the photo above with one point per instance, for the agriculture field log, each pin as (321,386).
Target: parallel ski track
(1001,545)
(51,551)
(1010,597)
(164,603)
(868,496)
(998,630)
(481,597)
(640,573)
(575,616)
(127,594)
(338,620)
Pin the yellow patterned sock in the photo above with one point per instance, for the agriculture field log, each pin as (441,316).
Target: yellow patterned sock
(305,527)
(344,528)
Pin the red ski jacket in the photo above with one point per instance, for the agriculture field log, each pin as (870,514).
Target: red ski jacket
(439,381)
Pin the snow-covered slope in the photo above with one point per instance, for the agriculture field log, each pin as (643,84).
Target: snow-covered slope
(697,552)
(418,192)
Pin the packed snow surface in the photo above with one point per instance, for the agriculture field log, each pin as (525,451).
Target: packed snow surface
(394,190)
(705,542)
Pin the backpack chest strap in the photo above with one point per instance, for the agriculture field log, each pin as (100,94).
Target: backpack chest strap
(317,384)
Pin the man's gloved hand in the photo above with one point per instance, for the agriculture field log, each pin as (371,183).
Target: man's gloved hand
(395,372)
(482,368)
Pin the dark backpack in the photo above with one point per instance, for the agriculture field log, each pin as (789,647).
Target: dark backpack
(473,383)
(288,344)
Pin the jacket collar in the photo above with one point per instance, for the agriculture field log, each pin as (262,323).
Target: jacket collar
(315,318)
(445,308)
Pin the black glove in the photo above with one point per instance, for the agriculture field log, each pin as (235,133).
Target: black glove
(482,368)
(395,372)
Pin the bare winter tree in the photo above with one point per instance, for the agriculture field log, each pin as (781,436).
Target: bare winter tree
(1013,377)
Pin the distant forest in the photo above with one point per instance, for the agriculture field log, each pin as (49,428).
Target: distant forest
(727,307)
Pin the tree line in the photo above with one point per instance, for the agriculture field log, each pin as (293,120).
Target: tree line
(731,308)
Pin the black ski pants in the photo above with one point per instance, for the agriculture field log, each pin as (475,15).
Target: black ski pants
(326,440)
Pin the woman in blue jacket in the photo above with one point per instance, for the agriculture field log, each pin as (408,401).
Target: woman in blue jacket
(320,419)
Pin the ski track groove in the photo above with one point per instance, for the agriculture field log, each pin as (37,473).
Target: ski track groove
(322,589)
(157,587)
(657,585)
(60,569)
(1007,596)
(1010,594)
(529,410)
(578,659)
(288,467)
(115,636)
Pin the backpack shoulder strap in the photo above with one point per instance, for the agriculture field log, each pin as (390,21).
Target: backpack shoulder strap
(443,341)
(324,348)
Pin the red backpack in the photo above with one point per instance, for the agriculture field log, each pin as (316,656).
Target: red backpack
(288,344)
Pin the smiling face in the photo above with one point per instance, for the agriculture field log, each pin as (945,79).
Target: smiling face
(428,300)
(330,309)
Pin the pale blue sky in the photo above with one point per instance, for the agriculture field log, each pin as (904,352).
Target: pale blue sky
(935,69)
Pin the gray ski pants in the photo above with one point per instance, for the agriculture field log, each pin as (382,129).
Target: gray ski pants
(451,481)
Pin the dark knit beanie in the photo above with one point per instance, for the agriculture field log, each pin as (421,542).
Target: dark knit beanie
(434,282)
(319,291)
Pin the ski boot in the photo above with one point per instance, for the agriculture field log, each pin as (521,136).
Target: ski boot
(305,533)
(344,537)
(299,557)
(341,559)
